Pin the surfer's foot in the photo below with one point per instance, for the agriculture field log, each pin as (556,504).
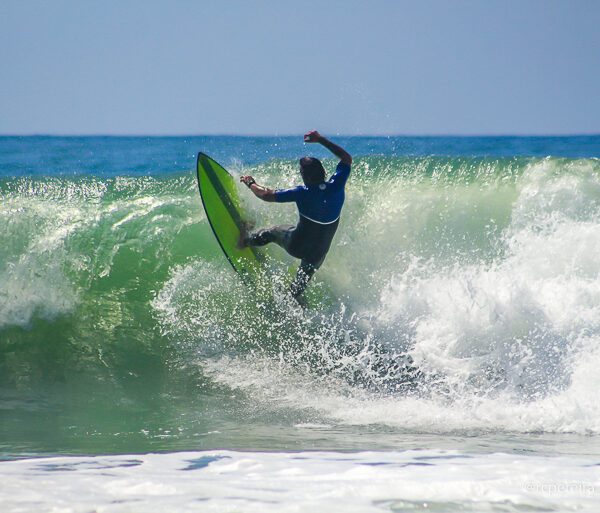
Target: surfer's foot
(243,240)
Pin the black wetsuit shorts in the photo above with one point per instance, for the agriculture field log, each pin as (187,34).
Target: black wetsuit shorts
(308,240)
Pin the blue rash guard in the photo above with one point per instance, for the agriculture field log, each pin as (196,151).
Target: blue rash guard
(319,203)
(319,206)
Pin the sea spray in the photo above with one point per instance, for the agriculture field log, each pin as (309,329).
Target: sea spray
(460,294)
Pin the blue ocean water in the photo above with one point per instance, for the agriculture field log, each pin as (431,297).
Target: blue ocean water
(43,155)
(454,331)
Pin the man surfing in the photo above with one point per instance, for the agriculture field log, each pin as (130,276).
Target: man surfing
(319,204)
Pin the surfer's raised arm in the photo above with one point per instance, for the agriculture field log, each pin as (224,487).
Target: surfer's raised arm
(315,137)
(264,193)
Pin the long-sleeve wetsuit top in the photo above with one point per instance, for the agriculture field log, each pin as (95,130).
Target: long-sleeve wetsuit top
(319,206)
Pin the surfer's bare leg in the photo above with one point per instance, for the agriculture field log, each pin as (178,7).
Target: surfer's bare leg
(303,276)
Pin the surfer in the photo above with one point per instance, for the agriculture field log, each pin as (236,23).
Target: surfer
(319,204)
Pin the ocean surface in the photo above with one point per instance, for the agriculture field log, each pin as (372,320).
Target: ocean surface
(449,361)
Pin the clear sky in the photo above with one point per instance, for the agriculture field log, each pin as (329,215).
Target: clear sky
(422,67)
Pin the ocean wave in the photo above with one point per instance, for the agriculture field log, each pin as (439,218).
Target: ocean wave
(473,280)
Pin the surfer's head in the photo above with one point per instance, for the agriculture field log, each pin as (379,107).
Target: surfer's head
(312,170)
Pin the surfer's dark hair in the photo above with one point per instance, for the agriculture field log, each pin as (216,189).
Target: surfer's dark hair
(312,170)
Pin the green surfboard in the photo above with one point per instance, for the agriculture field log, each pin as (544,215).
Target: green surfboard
(220,197)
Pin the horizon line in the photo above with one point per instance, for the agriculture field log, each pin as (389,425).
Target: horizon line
(265,135)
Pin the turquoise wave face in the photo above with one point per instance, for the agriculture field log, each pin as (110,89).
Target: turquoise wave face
(468,283)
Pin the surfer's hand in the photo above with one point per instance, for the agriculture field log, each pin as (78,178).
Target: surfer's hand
(312,136)
(247,179)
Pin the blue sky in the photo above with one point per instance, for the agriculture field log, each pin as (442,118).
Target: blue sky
(281,67)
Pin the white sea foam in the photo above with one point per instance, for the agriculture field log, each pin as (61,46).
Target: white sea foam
(415,480)
(507,341)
